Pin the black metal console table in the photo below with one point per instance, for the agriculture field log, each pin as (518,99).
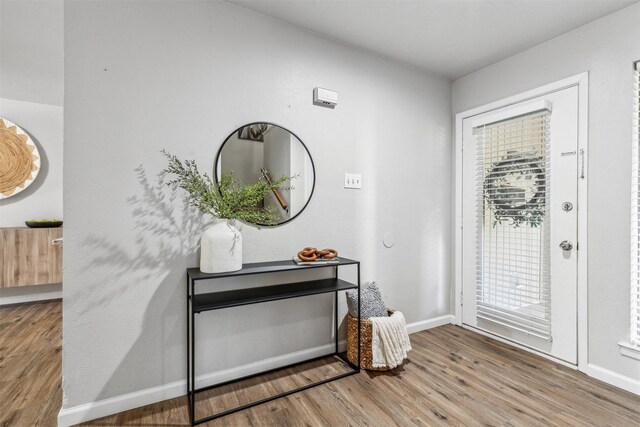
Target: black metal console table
(202,302)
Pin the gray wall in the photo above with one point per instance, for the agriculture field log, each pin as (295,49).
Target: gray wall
(31,48)
(606,49)
(142,76)
(31,96)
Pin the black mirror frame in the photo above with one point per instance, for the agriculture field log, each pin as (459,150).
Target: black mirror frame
(313,167)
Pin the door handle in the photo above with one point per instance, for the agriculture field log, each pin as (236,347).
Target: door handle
(566,245)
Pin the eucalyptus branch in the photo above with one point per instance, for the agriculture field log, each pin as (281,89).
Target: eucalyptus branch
(228,198)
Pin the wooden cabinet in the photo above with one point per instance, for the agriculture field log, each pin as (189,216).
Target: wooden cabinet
(29,257)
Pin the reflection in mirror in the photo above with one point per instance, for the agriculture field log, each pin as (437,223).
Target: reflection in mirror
(268,151)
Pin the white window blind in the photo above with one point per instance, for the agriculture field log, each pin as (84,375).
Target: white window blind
(635,212)
(512,253)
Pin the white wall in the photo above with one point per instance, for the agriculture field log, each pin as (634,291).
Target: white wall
(31,49)
(277,160)
(31,96)
(249,154)
(142,76)
(606,49)
(301,187)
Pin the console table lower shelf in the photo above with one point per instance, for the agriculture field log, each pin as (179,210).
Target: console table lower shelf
(198,303)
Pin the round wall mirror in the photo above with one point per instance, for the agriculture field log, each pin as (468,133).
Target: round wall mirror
(268,151)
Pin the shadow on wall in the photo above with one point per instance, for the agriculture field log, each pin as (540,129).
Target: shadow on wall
(164,237)
(136,301)
(152,277)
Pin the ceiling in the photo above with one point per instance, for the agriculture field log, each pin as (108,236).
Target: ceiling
(448,37)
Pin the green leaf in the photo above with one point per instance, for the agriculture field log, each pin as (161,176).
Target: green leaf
(229,198)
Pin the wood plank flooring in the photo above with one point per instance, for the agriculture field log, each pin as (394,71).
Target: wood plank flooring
(454,377)
(30,364)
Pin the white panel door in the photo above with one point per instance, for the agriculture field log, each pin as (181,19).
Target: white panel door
(519,237)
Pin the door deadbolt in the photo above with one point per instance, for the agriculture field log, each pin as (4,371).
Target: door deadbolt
(566,245)
(567,206)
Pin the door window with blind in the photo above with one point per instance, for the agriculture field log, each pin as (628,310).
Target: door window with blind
(635,213)
(512,254)
(519,219)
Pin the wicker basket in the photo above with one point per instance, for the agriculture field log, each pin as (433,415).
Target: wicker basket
(366,356)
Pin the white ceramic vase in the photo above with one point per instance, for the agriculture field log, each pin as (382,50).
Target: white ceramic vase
(221,248)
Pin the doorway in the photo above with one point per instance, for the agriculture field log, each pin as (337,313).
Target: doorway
(521,169)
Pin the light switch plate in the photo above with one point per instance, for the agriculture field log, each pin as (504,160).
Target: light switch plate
(352,180)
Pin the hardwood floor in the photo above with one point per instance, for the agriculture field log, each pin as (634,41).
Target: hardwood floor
(454,377)
(30,364)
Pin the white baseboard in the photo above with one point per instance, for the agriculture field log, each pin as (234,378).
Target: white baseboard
(613,378)
(423,325)
(113,405)
(24,294)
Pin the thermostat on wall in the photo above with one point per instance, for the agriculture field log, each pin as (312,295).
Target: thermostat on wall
(325,97)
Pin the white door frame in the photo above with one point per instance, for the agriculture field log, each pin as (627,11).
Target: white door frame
(582,82)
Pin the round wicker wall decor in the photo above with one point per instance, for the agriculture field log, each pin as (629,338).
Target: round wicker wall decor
(19,159)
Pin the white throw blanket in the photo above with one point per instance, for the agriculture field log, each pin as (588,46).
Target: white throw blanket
(390,341)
